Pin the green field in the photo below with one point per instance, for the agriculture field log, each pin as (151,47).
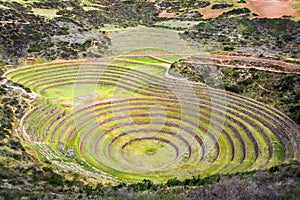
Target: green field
(125,119)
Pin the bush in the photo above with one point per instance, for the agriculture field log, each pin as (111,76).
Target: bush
(56,180)
(236,11)
(220,6)
(228,48)
(144,185)
(2,90)
(234,88)
(274,169)
(173,182)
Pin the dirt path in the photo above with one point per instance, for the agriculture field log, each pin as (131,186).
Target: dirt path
(286,65)
(165,14)
(17,89)
(263,60)
(13,22)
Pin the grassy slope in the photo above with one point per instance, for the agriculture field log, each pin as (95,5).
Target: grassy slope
(288,193)
(69,94)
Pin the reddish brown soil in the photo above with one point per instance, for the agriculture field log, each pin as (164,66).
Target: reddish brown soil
(165,14)
(271,8)
(212,13)
(208,13)
(264,8)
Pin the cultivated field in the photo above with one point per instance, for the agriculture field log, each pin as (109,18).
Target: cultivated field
(127,119)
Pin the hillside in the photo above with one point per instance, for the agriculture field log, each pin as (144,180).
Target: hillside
(149,99)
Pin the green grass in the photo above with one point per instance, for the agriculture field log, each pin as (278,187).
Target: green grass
(176,24)
(144,157)
(49,13)
(143,60)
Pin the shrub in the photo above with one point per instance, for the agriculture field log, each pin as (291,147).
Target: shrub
(234,88)
(274,169)
(220,6)
(228,48)
(56,180)
(173,182)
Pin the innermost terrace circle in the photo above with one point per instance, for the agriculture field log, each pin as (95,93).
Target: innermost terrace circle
(149,153)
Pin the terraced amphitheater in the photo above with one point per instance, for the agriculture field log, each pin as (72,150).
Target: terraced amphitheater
(126,118)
